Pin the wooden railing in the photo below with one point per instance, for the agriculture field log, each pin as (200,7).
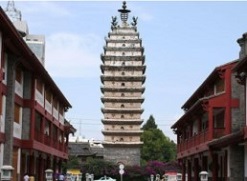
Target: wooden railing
(198,139)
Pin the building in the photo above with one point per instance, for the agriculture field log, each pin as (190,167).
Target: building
(84,148)
(122,78)
(35,42)
(211,133)
(33,129)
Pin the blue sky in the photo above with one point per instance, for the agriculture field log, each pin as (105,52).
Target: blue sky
(183,40)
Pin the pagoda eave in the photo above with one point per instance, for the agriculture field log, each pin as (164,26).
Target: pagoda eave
(123,68)
(121,133)
(122,122)
(120,110)
(122,144)
(105,58)
(113,89)
(141,78)
(122,99)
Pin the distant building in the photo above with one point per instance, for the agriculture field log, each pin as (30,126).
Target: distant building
(33,129)
(35,42)
(123,78)
(84,148)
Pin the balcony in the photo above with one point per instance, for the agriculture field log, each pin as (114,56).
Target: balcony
(199,139)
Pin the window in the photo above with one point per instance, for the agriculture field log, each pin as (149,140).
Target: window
(48,96)
(219,117)
(17,113)
(61,110)
(122,105)
(39,86)
(123,84)
(220,86)
(18,75)
(55,103)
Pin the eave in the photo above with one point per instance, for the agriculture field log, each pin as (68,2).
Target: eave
(105,58)
(120,89)
(122,110)
(140,78)
(121,122)
(123,99)
(209,80)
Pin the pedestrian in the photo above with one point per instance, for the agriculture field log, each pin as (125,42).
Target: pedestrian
(61,177)
(26,177)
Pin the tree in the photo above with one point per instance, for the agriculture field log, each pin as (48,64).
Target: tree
(73,162)
(156,145)
(150,124)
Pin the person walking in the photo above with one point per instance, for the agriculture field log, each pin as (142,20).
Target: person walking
(26,177)
(61,177)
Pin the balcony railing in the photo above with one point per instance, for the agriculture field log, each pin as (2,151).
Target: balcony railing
(199,138)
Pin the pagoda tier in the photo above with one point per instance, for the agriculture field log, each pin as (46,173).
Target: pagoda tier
(122,122)
(123,68)
(123,99)
(123,49)
(139,41)
(121,132)
(136,78)
(120,89)
(122,144)
(106,58)
(114,33)
(122,110)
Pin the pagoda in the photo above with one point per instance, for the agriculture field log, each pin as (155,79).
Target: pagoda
(123,76)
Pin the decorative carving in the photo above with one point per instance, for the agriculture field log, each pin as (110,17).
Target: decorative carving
(205,105)
(134,23)
(114,22)
(241,78)
(221,73)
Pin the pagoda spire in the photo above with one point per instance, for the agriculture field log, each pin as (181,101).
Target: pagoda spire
(124,12)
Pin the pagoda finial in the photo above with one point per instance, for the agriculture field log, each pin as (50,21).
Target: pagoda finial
(124,12)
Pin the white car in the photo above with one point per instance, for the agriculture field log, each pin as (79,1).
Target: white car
(106,179)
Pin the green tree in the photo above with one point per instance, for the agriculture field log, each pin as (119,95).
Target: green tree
(73,162)
(150,124)
(156,145)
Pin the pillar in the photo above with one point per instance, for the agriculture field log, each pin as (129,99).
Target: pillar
(10,105)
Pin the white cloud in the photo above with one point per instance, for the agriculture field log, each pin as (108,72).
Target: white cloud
(72,55)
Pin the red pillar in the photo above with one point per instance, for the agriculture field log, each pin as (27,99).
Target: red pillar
(228,90)
(189,170)
(183,171)
(215,167)
(42,132)
(210,123)
(31,164)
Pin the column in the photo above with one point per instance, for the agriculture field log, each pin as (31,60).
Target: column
(10,105)
(210,123)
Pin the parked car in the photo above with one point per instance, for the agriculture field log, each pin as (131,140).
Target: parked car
(106,179)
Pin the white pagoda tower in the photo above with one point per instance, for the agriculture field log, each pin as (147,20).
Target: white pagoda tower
(122,77)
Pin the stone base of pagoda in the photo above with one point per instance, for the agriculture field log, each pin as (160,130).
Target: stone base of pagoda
(122,154)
